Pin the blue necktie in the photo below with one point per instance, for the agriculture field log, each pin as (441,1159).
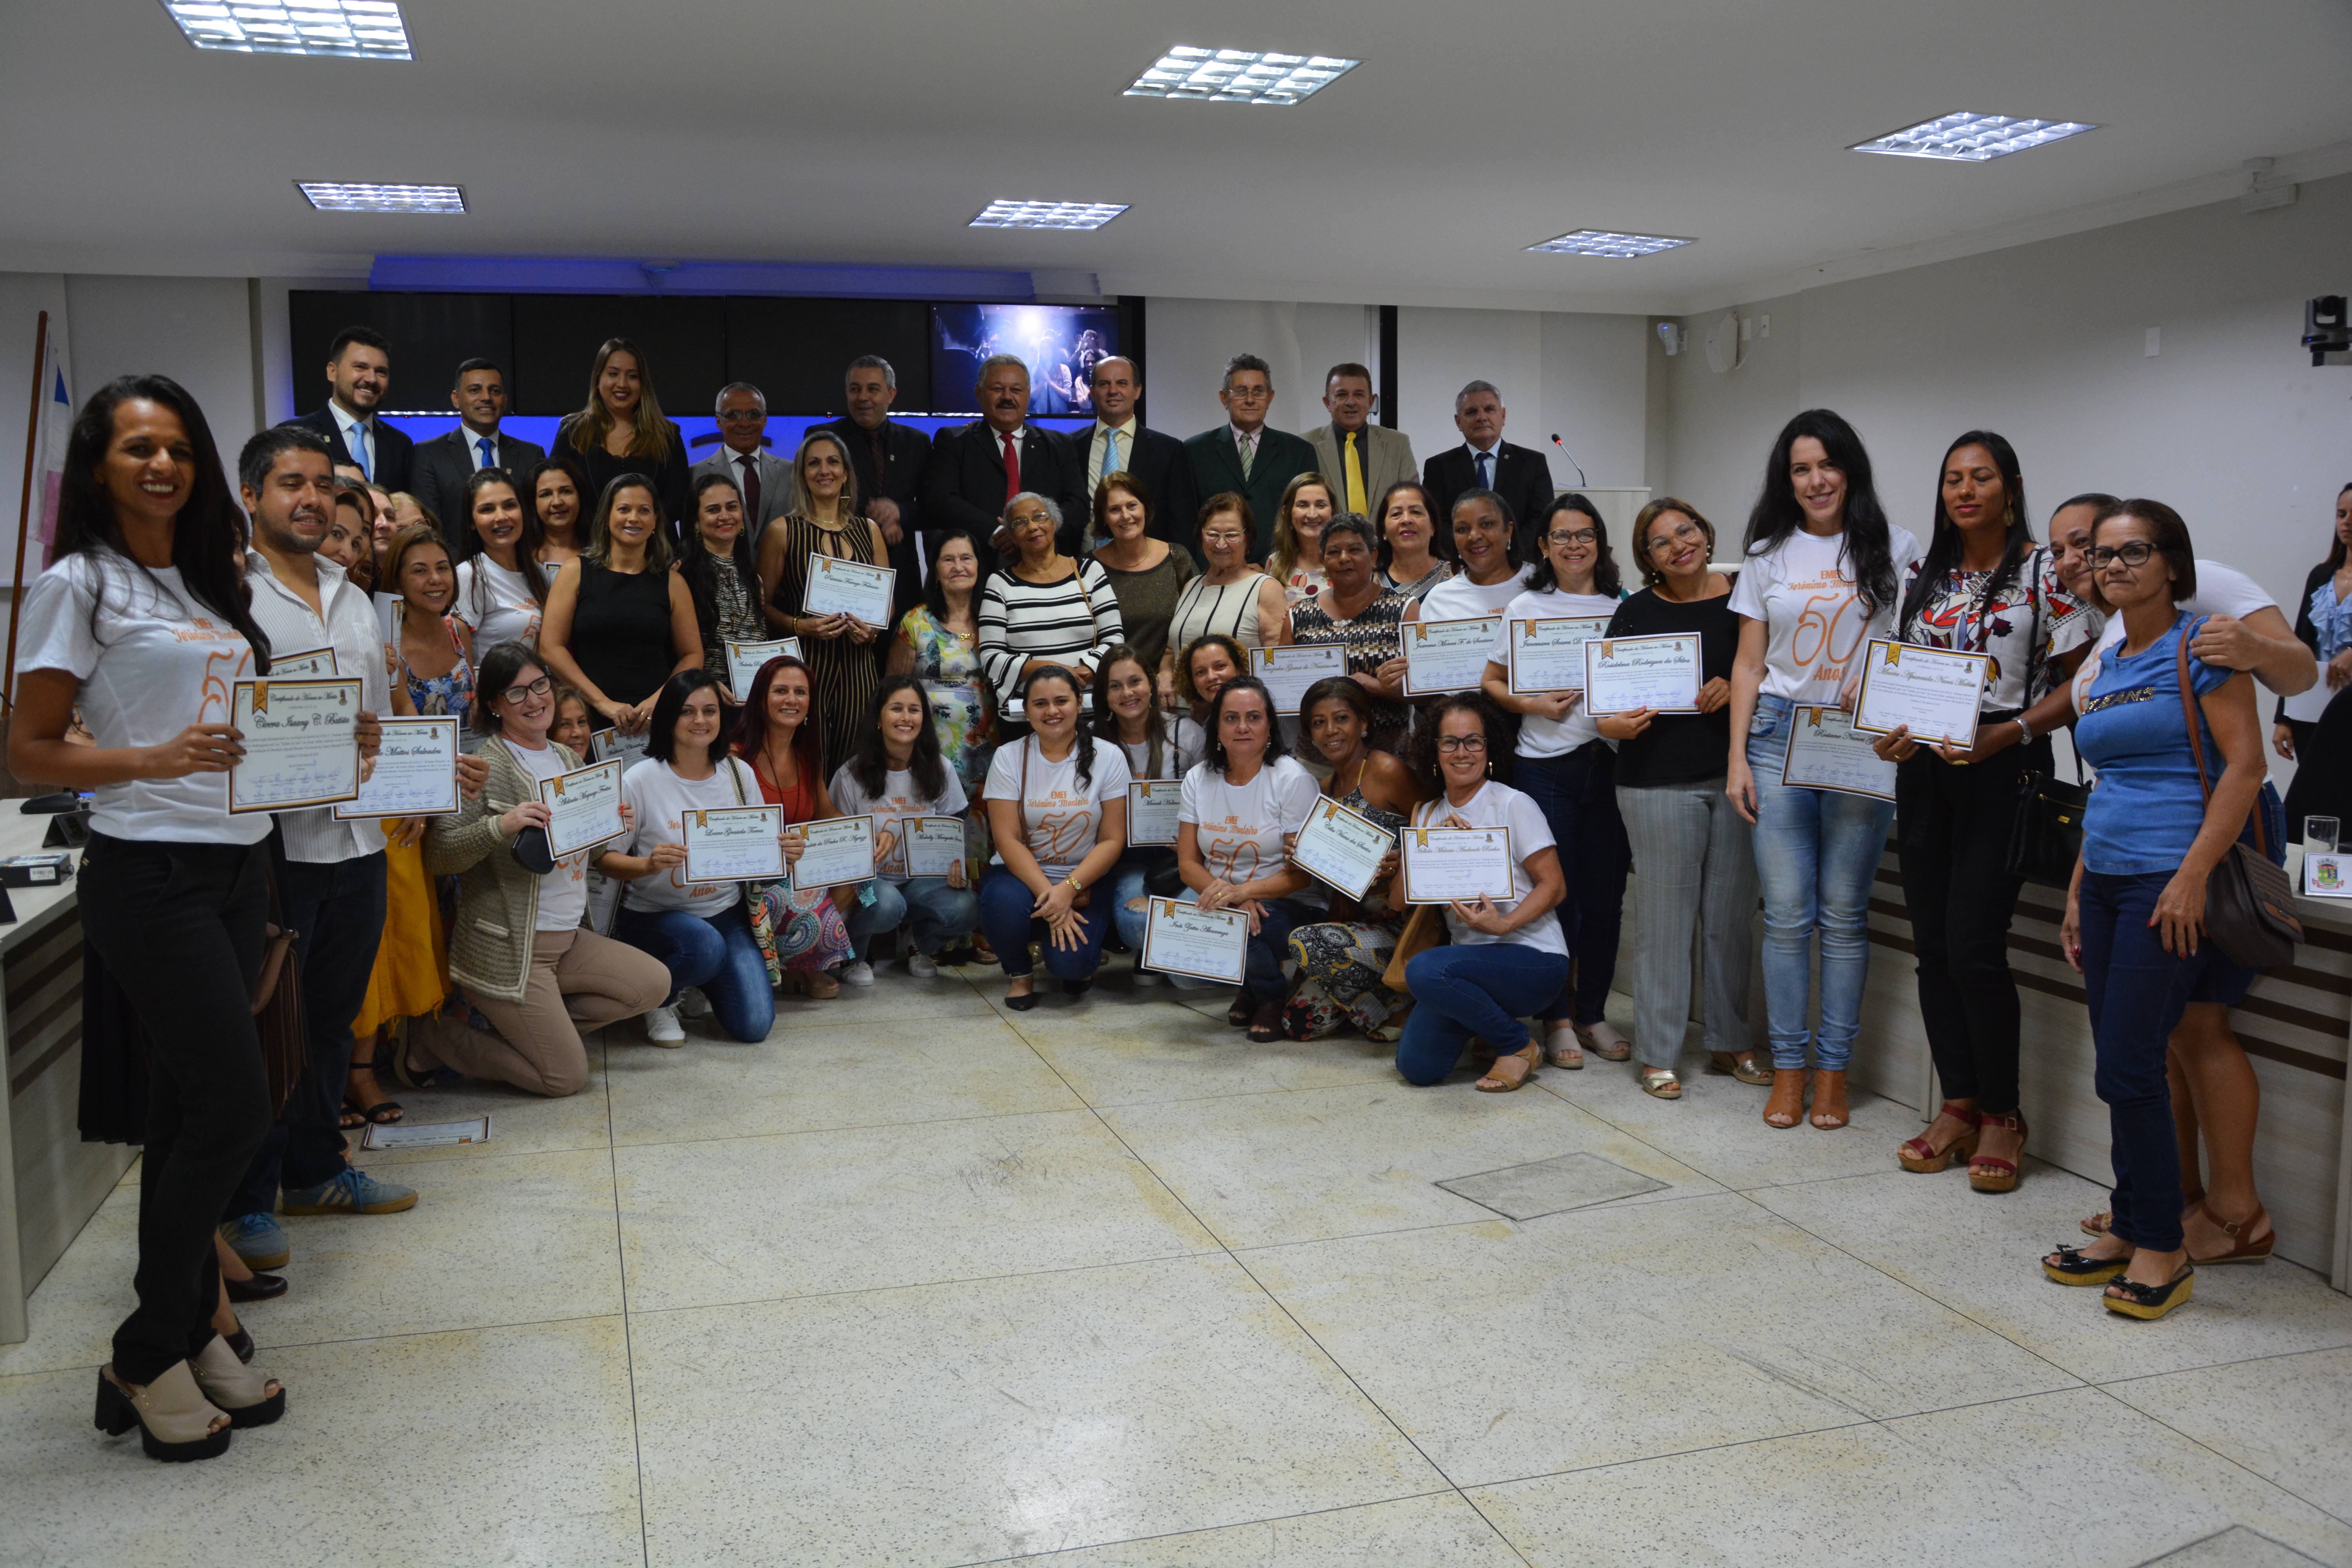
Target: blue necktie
(489,454)
(365,455)
(1110,452)
(1485,470)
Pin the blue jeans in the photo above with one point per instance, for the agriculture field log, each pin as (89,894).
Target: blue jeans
(1816,855)
(1577,796)
(717,952)
(940,912)
(1482,989)
(2137,994)
(1126,883)
(1004,904)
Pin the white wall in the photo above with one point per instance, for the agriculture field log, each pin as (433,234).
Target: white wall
(197,330)
(1581,376)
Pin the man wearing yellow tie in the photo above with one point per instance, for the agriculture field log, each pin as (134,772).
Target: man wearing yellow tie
(1362,457)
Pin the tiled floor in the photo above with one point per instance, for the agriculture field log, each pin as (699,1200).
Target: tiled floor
(921,1280)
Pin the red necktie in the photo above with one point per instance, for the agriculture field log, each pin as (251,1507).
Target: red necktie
(1012,468)
(751,489)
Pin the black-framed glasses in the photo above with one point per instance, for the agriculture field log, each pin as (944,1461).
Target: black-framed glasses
(538,688)
(1451,744)
(1687,533)
(2132,552)
(1565,537)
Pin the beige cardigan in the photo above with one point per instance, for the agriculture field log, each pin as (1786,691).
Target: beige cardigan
(498,902)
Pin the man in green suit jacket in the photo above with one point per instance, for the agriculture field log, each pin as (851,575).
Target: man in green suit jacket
(1244,456)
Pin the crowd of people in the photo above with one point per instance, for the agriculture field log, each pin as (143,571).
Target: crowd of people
(1073,615)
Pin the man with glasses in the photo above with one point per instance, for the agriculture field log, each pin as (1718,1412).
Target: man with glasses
(762,478)
(1245,455)
(1485,461)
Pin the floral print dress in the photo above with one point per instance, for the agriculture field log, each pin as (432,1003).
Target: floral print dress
(1340,961)
(948,664)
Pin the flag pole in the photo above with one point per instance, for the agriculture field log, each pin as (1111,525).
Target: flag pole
(24,506)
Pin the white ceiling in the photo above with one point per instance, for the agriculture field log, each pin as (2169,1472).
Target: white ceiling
(872,132)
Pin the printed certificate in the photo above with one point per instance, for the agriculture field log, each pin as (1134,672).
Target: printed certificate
(1289,671)
(1343,848)
(1444,864)
(301,743)
(1185,939)
(612,746)
(934,845)
(1151,810)
(848,587)
(1549,655)
(416,772)
(317,664)
(1935,691)
(1447,655)
(1826,753)
(1623,675)
(840,850)
(744,659)
(584,808)
(734,844)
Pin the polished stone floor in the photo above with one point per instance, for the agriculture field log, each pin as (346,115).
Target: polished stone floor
(919,1281)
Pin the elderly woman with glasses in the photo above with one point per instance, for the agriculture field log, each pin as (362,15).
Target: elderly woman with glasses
(1042,609)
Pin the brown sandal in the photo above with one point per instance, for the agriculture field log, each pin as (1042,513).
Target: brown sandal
(1786,1106)
(2255,1252)
(1501,1079)
(1830,1111)
(1918,1155)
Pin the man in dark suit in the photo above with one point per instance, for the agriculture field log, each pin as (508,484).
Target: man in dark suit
(763,480)
(1117,441)
(1245,455)
(887,458)
(1485,461)
(443,464)
(974,469)
(359,373)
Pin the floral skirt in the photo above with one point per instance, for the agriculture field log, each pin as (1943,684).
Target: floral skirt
(1340,970)
(810,932)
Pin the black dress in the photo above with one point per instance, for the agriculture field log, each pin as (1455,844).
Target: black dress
(672,476)
(620,633)
(2322,746)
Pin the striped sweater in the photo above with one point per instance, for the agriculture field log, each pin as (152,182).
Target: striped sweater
(1075,621)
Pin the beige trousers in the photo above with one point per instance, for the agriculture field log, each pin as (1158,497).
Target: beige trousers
(578,981)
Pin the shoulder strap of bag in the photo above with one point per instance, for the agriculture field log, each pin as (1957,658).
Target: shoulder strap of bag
(2196,739)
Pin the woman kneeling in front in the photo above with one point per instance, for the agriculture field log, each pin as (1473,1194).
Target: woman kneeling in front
(898,775)
(1509,959)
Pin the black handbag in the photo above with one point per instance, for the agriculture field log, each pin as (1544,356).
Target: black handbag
(2046,837)
(2248,902)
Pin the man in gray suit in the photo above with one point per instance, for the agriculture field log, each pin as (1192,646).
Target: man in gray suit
(1360,459)
(762,478)
(445,463)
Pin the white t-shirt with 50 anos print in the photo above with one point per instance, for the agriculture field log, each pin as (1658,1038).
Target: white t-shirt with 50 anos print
(1061,814)
(1240,825)
(1802,589)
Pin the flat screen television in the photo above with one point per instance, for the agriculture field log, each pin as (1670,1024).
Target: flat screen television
(1060,344)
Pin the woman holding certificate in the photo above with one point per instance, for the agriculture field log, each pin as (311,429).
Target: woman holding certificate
(1161,750)
(1058,809)
(1240,803)
(899,776)
(717,566)
(1821,578)
(501,586)
(1483,852)
(1230,598)
(142,608)
(1041,610)
(773,733)
(836,642)
(619,621)
(1356,613)
(1983,587)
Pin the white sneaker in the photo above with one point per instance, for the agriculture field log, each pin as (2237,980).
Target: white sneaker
(920,966)
(859,974)
(693,1004)
(662,1027)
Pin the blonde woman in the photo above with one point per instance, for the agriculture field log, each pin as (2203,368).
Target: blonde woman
(1307,503)
(823,520)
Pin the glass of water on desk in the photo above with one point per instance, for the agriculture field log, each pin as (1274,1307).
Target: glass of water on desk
(2319,835)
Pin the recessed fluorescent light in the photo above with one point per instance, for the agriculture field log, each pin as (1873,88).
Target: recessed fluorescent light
(1237,76)
(1002,213)
(333,196)
(357,29)
(1606,242)
(1971,138)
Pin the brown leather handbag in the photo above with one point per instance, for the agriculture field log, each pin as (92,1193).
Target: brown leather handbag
(1423,928)
(2248,902)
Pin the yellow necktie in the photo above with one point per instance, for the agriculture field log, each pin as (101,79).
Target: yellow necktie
(1355,477)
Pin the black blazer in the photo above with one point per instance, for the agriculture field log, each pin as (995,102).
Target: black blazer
(1159,464)
(1216,467)
(1521,478)
(442,467)
(394,453)
(963,485)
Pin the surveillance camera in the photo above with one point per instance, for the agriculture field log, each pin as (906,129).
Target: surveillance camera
(2325,327)
(1669,333)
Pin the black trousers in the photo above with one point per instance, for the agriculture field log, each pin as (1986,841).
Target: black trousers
(338,909)
(180,927)
(1952,837)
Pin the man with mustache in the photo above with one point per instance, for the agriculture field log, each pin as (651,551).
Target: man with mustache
(974,470)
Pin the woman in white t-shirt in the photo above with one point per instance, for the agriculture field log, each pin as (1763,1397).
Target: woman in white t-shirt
(701,931)
(1160,747)
(501,586)
(1823,569)
(1486,547)
(1242,804)
(1057,810)
(1507,959)
(141,622)
(897,772)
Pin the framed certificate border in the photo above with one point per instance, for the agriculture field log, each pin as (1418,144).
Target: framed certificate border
(1870,663)
(738,667)
(1326,808)
(1259,657)
(822,566)
(872,859)
(1605,644)
(1789,758)
(1405,860)
(456,798)
(686,841)
(906,826)
(1511,650)
(279,662)
(1175,906)
(556,783)
(1411,632)
(237,689)
(1136,789)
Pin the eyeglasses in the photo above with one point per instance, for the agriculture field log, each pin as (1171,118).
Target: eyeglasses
(1452,743)
(538,688)
(1689,533)
(2134,553)
(1574,536)
(743,415)
(1250,394)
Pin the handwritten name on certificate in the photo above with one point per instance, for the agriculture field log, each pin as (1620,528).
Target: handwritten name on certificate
(317,664)
(1625,675)
(1184,939)
(584,808)
(301,743)
(1151,807)
(1826,753)
(935,845)
(734,844)
(1447,655)
(416,772)
(1444,864)
(1289,671)
(1549,655)
(612,746)
(840,850)
(848,588)
(1932,691)
(1343,848)
(744,659)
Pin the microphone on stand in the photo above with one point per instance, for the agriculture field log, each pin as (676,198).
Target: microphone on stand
(1572,462)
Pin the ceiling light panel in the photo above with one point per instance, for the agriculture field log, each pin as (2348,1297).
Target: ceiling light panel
(1971,138)
(1003,212)
(1237,76)
(356,29)
(336,196)
(1608,242)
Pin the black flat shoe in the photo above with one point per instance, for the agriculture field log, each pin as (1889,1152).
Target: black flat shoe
(241,1343)
(260,1287)
(1076,987)
(1021,1004)
(1238,1015)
